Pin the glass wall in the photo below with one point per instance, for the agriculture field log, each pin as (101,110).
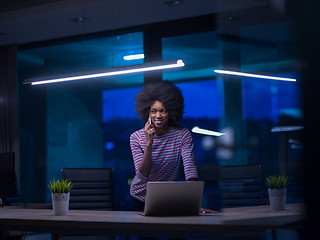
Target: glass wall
(203,93)
(261,118)
(119,122)
(62,125)
(88,123)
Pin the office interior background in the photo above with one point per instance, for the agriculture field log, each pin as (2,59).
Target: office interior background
(87,124)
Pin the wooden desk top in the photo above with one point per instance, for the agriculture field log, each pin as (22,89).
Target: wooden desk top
(263,216)
(131,223)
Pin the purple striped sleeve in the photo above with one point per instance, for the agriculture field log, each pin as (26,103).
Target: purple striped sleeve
(188,157)
(137,154)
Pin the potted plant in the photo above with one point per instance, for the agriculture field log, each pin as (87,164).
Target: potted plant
(60,192)
(277,190)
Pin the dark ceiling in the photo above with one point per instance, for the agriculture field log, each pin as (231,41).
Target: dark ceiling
(30,21)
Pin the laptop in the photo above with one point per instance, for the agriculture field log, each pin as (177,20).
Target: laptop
(173,198)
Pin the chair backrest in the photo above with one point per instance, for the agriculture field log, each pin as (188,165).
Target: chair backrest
(93,188)
(208,173)
(241,185)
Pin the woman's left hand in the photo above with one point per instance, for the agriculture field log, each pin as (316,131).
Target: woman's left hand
(206,210)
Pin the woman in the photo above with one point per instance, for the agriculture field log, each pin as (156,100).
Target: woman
(161,145)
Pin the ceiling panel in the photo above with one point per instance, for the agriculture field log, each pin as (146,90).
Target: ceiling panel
(38,20)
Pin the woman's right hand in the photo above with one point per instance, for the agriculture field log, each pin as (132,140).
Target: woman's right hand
(149,131)
(146,163)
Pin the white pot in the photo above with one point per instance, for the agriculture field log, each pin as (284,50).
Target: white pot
(277,199)
(60,204)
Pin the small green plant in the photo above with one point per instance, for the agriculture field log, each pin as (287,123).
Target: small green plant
(277,182)
(60,186)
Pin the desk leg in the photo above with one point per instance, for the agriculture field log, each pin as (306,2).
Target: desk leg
(3,234)
(274,234)
(55,236)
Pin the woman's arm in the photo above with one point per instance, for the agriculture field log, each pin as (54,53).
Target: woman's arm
(146,163)
(188,158)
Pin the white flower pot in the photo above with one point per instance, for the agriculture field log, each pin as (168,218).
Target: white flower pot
(277,199)
(60,204)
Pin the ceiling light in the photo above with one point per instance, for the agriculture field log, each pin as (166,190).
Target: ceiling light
(106,72)
(206,132)
(254,75)
(287,128)
(134,57)
(80,19)
(232,18)
(174,3)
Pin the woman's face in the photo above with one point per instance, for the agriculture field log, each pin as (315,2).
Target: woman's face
(159,115)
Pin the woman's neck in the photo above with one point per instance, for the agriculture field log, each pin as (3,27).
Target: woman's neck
(162,131)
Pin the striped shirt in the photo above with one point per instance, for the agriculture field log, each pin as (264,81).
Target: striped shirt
(167,152)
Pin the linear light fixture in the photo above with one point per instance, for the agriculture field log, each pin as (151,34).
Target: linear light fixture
(206,132)
(287,128)
(106,72)
(254,75)
(134,56)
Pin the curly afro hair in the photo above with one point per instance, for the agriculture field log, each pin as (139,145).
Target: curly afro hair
(162,91)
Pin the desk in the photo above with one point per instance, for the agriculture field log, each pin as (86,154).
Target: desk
(257,218)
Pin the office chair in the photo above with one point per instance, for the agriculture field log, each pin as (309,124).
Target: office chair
(241,186)
(92,190)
